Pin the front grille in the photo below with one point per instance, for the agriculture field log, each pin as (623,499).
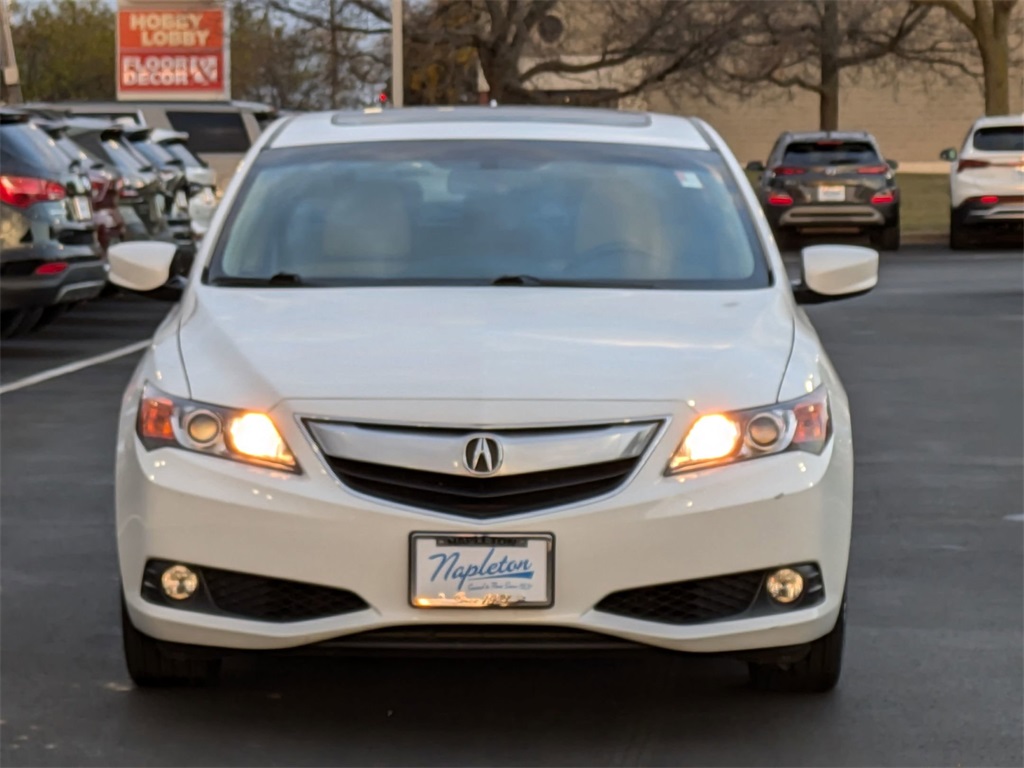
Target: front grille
(253,597)
(482,497)
(687,602)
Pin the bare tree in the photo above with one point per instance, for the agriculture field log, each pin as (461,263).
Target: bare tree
(988,21)
(643,43)
(812,42)
(341,35)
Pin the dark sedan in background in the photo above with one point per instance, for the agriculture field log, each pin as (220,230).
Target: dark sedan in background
(830,182)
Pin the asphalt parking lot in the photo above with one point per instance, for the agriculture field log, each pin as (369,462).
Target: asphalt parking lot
(932,360)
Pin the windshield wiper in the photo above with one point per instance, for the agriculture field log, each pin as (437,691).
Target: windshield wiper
(280,280)
(518,280)
(532,281)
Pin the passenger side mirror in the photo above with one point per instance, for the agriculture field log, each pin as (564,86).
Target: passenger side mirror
(893,164)
(755,166)
(145,267)
(949,154)
(833,272)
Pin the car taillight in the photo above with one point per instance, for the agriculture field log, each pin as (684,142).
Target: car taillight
(99,187)
(885,196)
(873,169)
(988,199)
(787,170)
(51,268)
(964,165)
(779,198)
(21,191)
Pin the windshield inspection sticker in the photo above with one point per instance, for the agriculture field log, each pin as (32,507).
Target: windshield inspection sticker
(689,179)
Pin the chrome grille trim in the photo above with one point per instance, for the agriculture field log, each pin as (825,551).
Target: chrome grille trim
(441,450)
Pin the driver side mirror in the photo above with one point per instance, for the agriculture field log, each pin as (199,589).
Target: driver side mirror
(949,154)
(833,272)
(144,267)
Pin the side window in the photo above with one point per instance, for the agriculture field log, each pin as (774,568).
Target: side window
(212,131)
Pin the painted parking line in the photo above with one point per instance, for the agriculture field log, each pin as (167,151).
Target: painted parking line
(79,365)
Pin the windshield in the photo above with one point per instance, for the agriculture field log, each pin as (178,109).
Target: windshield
(75,152)
(125,158)
(1007,138)
(473,212)
(180,151)
(813,153)
(28,145)
(153,152)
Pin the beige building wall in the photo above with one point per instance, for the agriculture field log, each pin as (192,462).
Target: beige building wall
(912,120)
(914,116)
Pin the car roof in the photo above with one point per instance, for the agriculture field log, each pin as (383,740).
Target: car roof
(829,136)
(128,105)
(497,123)
(996,121)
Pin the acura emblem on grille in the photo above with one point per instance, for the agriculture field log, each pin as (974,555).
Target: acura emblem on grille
(482,455)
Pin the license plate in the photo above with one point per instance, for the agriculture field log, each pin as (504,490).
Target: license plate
(830,194)
(458,570)
(81,208)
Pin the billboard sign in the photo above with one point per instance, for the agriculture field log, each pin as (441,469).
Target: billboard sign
(172,51)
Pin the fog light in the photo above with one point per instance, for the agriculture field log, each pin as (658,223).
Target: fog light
(179,582)
(785,585)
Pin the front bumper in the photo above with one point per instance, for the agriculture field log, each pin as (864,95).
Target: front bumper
(775,511)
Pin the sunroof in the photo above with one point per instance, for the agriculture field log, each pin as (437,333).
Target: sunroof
(568,115)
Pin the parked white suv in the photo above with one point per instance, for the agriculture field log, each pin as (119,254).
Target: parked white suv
(488,377)
(986,184)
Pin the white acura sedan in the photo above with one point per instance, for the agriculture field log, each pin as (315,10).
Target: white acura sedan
(483,378)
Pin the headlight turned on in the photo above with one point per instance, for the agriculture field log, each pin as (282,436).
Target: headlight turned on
(247,436)
(723,438)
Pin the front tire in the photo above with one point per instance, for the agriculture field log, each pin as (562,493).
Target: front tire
(817,672)
(149,664)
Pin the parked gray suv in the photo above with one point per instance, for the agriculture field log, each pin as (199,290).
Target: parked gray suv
(830,182)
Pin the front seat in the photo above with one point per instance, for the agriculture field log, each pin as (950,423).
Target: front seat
(366,234)
(621,226)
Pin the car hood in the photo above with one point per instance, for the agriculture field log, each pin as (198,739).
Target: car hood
(253,348)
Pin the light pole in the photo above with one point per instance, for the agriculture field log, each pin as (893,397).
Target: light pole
(11,90)
(397,60)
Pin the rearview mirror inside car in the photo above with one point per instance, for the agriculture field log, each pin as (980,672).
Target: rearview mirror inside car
(755,165)
(141,266)
(832,272)
(949,154)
